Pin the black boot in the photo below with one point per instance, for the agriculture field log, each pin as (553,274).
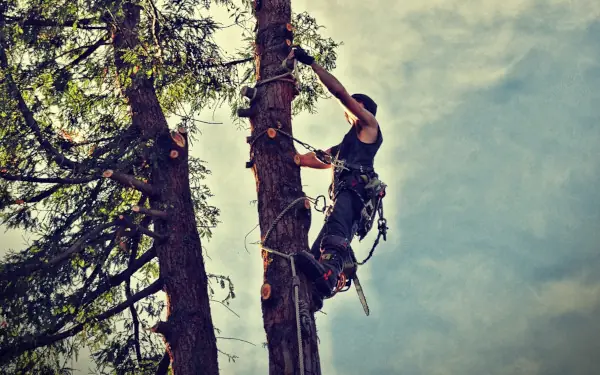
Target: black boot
(325,272)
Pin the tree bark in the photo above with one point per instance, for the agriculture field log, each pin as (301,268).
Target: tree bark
(278,184)
(188,331)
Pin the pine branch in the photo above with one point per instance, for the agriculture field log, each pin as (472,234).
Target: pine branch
(15,93)
(88,52)
(121,277)
(46,180)
(37,198)
(8,353)
(27,269)
(84,23)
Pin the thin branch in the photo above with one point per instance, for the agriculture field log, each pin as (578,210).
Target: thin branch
(88,52)
(15,93)
(8,353)
(84,23)
(46,180)
(229,63)
(224,305)
(233,338)
(39,197)
(163,365)
(121,277)
(130,181)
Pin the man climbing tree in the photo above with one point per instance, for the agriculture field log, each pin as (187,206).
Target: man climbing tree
(355,189)
(284,210)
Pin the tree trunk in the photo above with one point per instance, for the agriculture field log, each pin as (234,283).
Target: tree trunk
(188,331)
(278,184)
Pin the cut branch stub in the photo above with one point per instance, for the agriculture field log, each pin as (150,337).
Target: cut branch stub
(246,112)
(178,138)
(272,133)
(307,204)
(130,181)
(150,212)
(174,154)
(265,291)
(182,130)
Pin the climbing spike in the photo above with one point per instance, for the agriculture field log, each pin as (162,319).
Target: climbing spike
(174,154)
(265,291)
(250,164)
(272,133)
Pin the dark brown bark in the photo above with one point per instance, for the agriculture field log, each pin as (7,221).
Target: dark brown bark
(191,342)
(278,184)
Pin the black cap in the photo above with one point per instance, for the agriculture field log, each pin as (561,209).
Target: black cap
(369,103)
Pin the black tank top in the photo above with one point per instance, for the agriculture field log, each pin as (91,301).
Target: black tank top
(354,151)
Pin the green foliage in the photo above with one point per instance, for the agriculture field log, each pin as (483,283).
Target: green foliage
(64,120)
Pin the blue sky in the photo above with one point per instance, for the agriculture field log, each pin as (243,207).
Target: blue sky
(490,114)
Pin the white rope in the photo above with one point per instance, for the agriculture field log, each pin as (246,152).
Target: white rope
(296,285)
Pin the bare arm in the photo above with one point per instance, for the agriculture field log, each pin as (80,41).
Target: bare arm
(339,91)
(310,160)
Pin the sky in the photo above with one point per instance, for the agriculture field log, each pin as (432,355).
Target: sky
(489,112)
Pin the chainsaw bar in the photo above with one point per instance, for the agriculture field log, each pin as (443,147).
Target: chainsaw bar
(361,294)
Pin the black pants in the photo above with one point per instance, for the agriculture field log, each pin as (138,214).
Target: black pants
(342,222)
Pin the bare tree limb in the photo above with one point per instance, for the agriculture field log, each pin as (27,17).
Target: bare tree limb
(150,212)
(7,353)
(46,180)
(136,228)
(88,52)
(130,181)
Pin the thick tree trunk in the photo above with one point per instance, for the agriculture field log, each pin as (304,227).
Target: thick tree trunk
(188,331)
(278,184)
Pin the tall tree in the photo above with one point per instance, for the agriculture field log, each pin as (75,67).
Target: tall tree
(284,213)
(91,168)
